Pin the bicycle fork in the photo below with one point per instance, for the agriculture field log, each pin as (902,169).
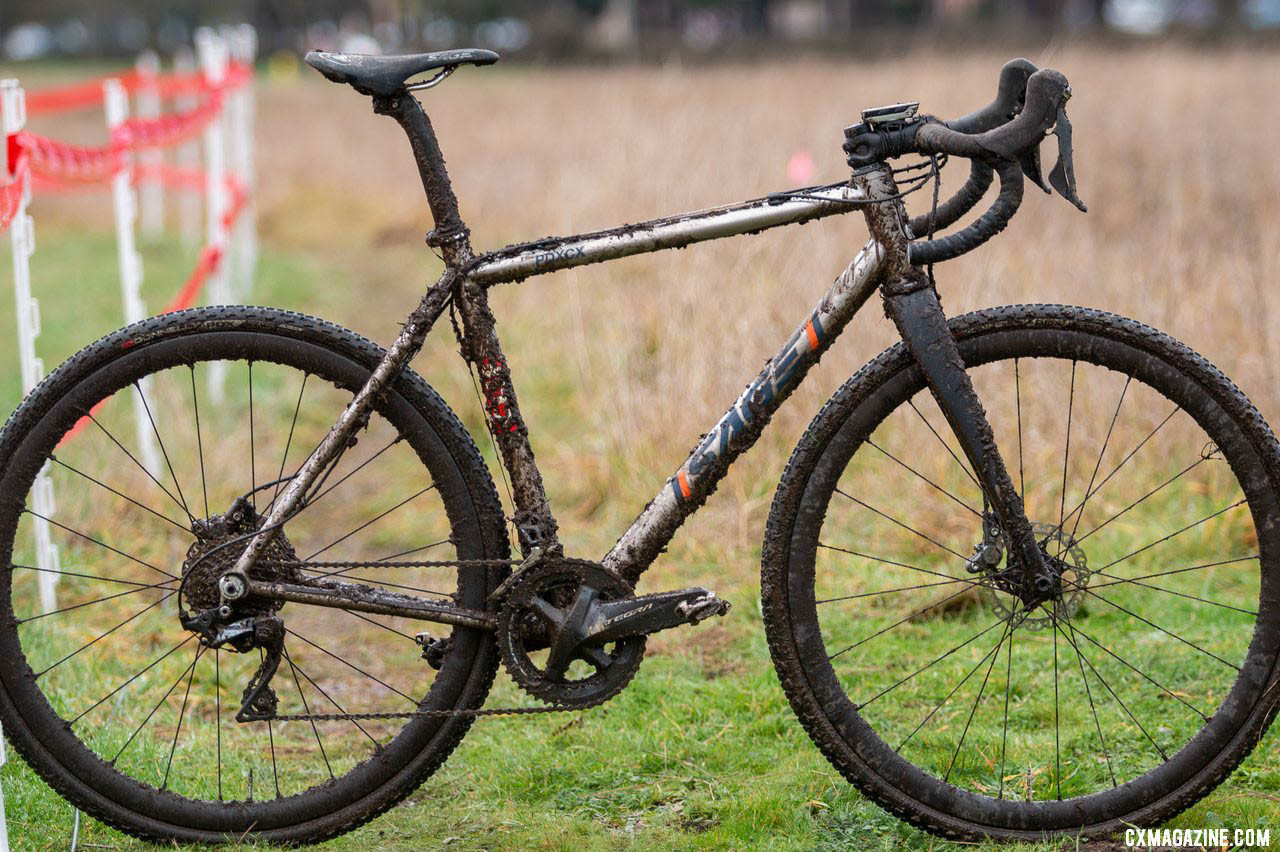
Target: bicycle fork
(912,303)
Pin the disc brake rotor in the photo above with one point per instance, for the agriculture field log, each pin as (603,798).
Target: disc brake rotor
(1066,555)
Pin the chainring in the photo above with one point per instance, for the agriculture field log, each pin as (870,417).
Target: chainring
(537,605)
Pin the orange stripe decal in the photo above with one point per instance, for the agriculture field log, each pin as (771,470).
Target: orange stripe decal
(683,482)
(813,336)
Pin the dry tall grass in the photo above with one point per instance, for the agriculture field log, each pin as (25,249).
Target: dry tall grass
(624,364)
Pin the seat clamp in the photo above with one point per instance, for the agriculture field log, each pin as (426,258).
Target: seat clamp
(437,238)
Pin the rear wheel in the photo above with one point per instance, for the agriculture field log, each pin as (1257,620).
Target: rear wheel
(971,709)
(182,419)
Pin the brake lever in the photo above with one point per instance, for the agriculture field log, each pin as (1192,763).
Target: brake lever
(1063,176)
(1030,163)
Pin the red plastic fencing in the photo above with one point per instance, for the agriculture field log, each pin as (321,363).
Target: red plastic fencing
(55,166)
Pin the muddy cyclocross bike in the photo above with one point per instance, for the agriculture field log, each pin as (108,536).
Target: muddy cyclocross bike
(1019,577)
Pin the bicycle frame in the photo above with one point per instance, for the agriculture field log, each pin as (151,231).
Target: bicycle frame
(463,286)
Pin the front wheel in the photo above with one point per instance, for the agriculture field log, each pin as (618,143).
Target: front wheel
(971,707)
(164,443)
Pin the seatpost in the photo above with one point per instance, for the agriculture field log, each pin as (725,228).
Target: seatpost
(450,234)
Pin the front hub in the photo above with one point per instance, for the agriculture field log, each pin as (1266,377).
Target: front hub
(1047,599)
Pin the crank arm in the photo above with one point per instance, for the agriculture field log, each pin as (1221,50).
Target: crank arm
(363,598)
(647,614)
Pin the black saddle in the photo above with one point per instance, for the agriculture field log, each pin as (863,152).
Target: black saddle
(386,75)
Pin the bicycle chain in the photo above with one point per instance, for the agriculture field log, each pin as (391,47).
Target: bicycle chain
(473,713)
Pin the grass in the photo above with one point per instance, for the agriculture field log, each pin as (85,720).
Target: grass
(617,366)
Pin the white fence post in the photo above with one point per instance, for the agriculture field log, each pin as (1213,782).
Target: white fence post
(22,240)
(212,51)
(125,202)
(151,189)
(243,41)
(188,158)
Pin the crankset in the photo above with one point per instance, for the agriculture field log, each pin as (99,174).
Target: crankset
(572,632)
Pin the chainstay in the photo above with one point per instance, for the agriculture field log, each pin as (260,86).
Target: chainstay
(427,714)
(476,713)
(430,563)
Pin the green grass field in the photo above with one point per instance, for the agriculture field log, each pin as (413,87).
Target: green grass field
(701,751)
(619,367)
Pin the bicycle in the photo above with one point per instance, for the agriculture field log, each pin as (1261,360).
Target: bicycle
(1121,706)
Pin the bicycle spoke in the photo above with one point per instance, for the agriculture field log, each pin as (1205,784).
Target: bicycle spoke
(353,667)
(890,591)
(92,602)
(1136,582)
(1177,571)
(1125,460)
(1057,748)
(1017,400)
(195,403)
(931,663)
(342,573)
(1156,626)
(926,479)
(271,741)
(1078,632)
(163,451)
(141,467)
(289,441)
(1098,465)
(217,712)
(397,439)
(894,520)
(1066,452)
(885,561)
(947,697)
(1123,706)
(330,699)
(137,675)
(90,576)
(126,497)
(413,550)
(368,523)
(1193,525)
(307,709)
(1092,708)
(181,715)
(1008,679)
(253,461)
(976,702)
(162,700)
(964,467)
(101,636)
(918,612)
(99,543)
(364,617)
(1140,500)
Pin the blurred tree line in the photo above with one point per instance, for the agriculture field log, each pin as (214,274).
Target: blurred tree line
(556,28)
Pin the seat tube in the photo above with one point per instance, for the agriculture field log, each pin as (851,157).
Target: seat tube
(912,303)
(450,233)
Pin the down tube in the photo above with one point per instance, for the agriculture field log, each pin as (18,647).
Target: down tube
(742,424)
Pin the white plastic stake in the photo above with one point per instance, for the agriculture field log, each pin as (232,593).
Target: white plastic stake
(22,240)
(151,193)
(243,259)
(125,202)
(212,51)
(184,62)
